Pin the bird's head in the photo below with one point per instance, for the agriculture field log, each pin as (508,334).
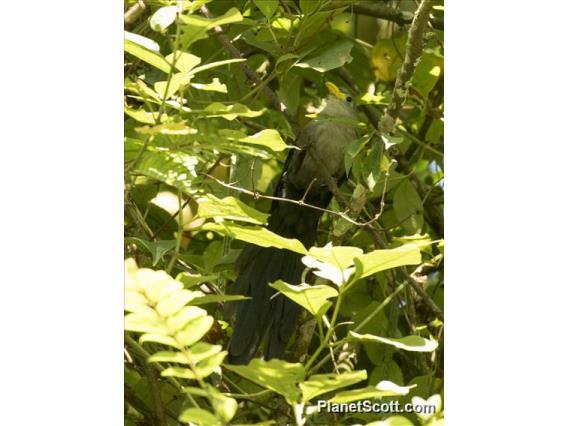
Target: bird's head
(338,103)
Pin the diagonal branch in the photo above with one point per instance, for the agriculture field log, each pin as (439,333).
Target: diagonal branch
(401,17)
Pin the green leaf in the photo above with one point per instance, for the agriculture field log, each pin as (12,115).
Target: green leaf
(177,128)
(184,61)
(269,138)
(172,304)
(178,321)
(277,375)
(156,249)
(328,271)
(308,6)
(214,65)
(142,116)
(224,407)
(142,41)
(312,298)
(411,343)
(384,388)
(390,140)
(230,112)
(190,280)
(267,7)
(177,81)
(163,18)
(322,383)
(159,338)
(202,350)
(174,168)
(199,417)
(142,48)
(214,86)
(259,236)
(380,260)
(168,356)
(332,57)
(427,73)
(215,298)
(195,27)
(408,207)
(340,256)
(229,208)
(232,15)
(194,330)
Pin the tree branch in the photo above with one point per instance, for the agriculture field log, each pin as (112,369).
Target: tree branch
(414,48)
(401,17)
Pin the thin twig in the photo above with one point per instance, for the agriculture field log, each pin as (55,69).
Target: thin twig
(132,14)
(257,195)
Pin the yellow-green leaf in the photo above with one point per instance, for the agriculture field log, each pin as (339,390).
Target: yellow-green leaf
(313,298)
(259,236)
(322,383)
(410,343)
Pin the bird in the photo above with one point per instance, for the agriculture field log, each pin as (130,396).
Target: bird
(319,156)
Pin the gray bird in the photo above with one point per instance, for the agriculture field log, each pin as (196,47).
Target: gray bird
(322,144)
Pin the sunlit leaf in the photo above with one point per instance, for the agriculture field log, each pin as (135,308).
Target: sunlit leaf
(216,298)
(328,271)
(198,416)
(259,236)
(194,330)
(411,343)
(146,50)
(230,112)
(269,138)
(229,208)
(184,61)
(322,383)
(163,18)
(277,375)
(214,65)
(176,81)
(382,389)
(312,298)
(214,86)
(379,260)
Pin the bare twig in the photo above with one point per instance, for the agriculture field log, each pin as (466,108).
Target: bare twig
(256,195)
(132,14)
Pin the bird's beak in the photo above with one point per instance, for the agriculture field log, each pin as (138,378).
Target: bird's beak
(334,90)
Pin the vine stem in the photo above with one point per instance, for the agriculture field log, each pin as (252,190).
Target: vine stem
(338,344)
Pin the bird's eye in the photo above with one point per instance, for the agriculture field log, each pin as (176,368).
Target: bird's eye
(349,98)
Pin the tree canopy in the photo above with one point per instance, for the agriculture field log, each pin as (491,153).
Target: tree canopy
(215,94)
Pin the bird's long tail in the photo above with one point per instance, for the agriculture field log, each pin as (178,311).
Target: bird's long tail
(259,266)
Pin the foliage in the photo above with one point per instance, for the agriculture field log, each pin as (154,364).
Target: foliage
(204,146)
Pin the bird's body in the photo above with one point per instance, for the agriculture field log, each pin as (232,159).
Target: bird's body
(307,171)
